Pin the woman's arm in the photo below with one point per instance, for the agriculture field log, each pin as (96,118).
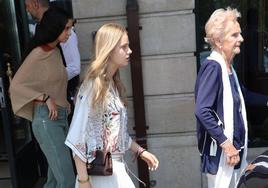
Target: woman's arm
(148,157)
(253,98)
(83,178)
(207,89)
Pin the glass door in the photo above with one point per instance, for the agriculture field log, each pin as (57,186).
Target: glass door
(17,146)
(256,70)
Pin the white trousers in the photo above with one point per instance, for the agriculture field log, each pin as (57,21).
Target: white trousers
(119,179)
(211,179)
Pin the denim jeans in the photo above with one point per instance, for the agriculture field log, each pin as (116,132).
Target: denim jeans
(51,135)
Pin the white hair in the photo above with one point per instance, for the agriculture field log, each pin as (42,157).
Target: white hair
(216,26)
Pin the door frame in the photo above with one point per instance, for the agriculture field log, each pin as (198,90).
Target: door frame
(20,146)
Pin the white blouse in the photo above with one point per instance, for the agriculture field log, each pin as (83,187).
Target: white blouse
(93,129)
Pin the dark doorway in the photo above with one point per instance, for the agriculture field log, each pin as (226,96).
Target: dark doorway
(256,68)
(17,146)
(22,163)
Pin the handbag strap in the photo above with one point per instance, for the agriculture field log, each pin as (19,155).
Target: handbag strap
(128,170)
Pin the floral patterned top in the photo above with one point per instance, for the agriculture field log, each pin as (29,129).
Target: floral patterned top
(93,129)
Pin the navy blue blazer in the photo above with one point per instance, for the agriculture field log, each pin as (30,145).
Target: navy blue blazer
(209,102)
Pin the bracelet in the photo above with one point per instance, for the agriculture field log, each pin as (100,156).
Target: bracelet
(46,98)
(83,181)
(140,150)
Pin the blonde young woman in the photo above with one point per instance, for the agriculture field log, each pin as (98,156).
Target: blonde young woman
(100,118)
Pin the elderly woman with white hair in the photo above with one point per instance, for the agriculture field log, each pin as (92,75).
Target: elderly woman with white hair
(220,108)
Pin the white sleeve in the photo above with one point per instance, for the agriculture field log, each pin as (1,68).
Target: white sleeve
(71,55)
(77,138)
(85,126)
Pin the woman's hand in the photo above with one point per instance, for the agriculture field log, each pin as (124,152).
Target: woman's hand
(232,153)
(52,108)
(83,179)
(150,159)
(250,167)
(85,185)
(69,108)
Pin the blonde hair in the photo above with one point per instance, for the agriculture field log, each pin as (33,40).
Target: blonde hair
(216,26)
(106,39)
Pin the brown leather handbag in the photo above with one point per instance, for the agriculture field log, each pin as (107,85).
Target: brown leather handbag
(102,165)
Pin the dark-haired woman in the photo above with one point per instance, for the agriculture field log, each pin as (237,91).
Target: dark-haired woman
(38,93)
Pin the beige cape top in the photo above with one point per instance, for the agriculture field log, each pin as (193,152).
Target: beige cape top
(42,72)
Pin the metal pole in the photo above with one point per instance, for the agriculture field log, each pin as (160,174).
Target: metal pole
(132,9)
